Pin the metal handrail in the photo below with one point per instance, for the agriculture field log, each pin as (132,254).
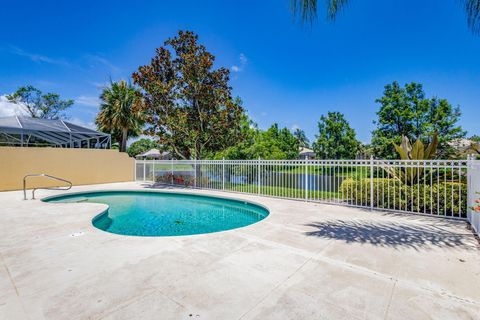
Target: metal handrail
(43,175)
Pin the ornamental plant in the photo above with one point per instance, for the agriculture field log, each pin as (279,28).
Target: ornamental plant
(411,175)
(476,206)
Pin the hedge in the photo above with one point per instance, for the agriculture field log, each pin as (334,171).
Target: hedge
(444,198)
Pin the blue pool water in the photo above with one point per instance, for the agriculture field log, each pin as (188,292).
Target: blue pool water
(141,213)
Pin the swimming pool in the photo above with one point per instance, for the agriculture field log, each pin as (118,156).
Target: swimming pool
(144,213)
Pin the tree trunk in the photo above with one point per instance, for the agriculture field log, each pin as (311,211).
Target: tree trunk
(123,146)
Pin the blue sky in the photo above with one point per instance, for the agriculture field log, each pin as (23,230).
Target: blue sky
(283,71)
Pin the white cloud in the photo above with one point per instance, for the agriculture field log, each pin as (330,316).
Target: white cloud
(82,123)
(91,101)
(99,85)
(264,114)
(243,62)
(243,59)
(9,109)
(295,127)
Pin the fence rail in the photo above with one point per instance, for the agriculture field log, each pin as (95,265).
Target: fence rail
(431,187)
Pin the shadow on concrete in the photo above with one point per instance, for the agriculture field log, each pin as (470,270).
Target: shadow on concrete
(392,234)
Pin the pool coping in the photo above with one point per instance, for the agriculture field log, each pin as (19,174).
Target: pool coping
(97,216)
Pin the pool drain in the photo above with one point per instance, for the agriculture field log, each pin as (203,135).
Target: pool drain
(77,234)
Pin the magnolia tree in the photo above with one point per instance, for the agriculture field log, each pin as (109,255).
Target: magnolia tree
(188,103)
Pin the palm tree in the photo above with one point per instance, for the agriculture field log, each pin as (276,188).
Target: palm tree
(307,9)
(301,138)
(119,113)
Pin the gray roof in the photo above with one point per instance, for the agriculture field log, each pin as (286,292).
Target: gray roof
(36,124)
(153,153)
(57,132)
(304,150)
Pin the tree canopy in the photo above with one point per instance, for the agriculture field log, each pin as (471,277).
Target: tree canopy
(188,104)
(475,138)
(405,111)
(335,139)
(141,146)
(39,105)
(273,143)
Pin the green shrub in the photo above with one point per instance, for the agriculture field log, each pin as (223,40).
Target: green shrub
(444,198)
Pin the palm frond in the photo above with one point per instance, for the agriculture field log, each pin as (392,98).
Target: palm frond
(119,110)
(472,8)
(308,9)
(333,7)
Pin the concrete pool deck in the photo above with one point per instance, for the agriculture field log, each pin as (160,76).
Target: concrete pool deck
(304,261)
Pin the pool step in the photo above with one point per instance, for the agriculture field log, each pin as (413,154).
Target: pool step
(76,200)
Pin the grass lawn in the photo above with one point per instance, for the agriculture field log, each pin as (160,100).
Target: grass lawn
(295,193)
(327,171)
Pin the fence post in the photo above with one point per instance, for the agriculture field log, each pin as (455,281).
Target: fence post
(223,174)
(153,171)
(171,172)
(371,182)
(306,178)
(470,195)
(473,174)
(144,169)
(135,170)
(258,175)
(195,173)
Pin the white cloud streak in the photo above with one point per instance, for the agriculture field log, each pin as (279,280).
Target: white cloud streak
(38,58)
(87,61)
(94,60)
(91,101)
(242,63)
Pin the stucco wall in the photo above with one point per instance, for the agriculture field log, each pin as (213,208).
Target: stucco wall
(80,166)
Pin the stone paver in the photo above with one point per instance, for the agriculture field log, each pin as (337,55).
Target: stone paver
(304,261)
